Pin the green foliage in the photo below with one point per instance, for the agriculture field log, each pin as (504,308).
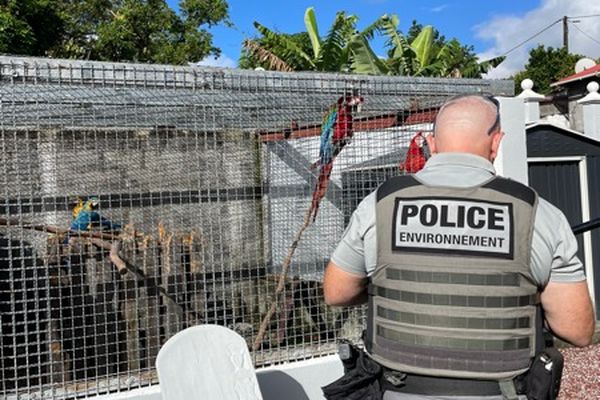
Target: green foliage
(364,60)
(545,66)
(310,20)
(343,49)
(203,12)
(422,52)
(423,48)
(29,26)
(270,51)
(111,30)
(439,40)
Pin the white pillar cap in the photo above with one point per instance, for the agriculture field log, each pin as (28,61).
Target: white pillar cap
(528,94)
(593,96)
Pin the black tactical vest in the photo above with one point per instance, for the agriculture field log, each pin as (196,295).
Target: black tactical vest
(452,294)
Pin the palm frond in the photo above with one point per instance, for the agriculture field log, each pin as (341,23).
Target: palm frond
(263,55)
(401,56)
(492,63)
(286,47)
(476,69)
(377,26)
(389,26)
(333,47)
(450,60)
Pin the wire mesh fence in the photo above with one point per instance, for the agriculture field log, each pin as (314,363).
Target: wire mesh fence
(138,200)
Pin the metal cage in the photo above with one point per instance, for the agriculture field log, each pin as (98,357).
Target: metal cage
(197,181)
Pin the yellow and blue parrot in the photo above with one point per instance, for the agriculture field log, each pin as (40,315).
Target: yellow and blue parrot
(77,207)
(87,218)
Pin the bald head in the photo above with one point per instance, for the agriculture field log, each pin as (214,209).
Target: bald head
(467,124)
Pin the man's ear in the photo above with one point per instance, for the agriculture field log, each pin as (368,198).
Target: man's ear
(496,140)
(431,143)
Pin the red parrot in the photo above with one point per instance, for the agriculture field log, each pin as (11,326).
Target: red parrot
(415,156)
(336,132)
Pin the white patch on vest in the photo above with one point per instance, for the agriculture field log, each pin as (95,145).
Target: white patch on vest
(453,226)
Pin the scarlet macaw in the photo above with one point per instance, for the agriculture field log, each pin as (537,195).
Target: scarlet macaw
(415,156)
(336,132)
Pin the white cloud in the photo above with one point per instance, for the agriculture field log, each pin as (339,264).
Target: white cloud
(439,8)
(506,31)
(222,62)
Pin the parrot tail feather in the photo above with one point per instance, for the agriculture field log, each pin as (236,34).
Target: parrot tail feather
(320,189)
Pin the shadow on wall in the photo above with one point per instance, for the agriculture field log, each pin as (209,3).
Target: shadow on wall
(23,301)
(274,383)
(50,330)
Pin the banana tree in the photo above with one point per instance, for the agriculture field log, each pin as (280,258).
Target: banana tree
(422,57)
(343,49)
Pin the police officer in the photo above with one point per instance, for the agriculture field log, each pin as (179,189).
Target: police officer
(454,262)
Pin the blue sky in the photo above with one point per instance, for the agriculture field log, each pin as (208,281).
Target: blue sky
(492,27)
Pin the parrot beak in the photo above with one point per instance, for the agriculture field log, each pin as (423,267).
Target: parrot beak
(420,139)
(355,102)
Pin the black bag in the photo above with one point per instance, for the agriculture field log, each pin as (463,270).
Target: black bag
(359,383)
(543,378)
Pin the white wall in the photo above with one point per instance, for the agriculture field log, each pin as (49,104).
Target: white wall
(300,380)
(512,158)
(294,381)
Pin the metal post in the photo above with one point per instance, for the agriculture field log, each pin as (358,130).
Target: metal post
(565,22)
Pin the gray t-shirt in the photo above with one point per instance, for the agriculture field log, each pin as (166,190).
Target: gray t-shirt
(554,248)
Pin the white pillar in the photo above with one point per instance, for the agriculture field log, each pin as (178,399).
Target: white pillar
(532,101)
(48,161)
(591,111)
(512,157)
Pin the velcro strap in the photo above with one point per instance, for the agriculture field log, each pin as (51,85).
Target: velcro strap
(447,321)
(437,386)
(454,278)
(438,299)
(454,343)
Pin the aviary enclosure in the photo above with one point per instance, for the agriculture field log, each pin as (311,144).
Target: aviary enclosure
(197,184)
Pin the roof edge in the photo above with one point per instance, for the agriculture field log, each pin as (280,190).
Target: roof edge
(562,128)
(593,72)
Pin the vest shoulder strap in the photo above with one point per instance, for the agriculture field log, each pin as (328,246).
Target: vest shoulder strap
(513,188)
(503,185)
(394,184)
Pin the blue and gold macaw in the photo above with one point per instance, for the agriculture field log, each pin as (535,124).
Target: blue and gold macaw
(77,207)
(86,218)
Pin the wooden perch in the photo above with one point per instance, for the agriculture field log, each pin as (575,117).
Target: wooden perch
(124,266)
(57,231)
(112,242)
(281,284)
(103,240)
(113,248)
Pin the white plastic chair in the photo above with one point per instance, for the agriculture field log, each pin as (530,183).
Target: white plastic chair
(208,362)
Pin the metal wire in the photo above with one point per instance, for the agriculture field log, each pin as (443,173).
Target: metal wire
(208,174)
